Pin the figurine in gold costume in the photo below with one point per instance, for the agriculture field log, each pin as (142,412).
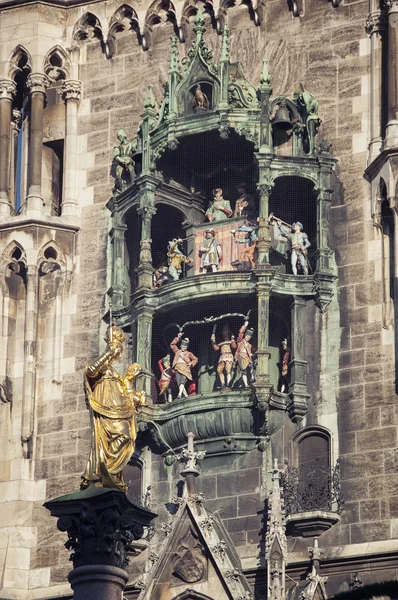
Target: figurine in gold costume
(112,402)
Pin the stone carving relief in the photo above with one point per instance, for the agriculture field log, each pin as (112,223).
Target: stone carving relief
(189,564)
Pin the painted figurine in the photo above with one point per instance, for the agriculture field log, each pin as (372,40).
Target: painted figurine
(176,259)
(210,252)
(122,156)
(160,276)
(225,362)
(245,353)
(298,242)
(283,383)
(219,209)
(244,206)
(183,362)
(250,239)
(112,402)
(166,374)
(308,107)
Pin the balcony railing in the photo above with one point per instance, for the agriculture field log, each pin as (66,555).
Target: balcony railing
(312,487)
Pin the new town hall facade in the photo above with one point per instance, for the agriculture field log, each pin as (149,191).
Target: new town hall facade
(219,180)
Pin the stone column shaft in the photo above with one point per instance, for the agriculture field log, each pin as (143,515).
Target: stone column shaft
(15,129)
(264,235)
(71,90)
(7,91)
(298,365)
(29,359)
(375,26)
(392,77)
(144,345)
(37,83)
(145,270)
(118,265)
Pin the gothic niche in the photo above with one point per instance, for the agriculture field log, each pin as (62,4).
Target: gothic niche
(189,562)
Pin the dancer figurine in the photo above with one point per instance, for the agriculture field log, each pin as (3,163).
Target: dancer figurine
(183,362)
(166,374)
(226,359)
(298,242)
(245,353)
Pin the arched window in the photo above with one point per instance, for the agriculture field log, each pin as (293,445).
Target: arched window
(132,474)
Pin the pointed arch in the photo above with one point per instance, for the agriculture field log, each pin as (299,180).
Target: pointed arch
(189,10)
(158,12)
(51,257)
(123,19)
(20,61)
(13,254)
(57,64)
(87,27)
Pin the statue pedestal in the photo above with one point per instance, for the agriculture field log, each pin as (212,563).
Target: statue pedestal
(102,526)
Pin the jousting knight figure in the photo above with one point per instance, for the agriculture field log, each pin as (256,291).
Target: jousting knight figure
(298,242)
(183,362)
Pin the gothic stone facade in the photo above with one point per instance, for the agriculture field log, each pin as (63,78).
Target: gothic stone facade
(71,75)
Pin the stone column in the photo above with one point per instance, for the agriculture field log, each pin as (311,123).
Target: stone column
(7,91)
(29,388)
(37,84)
(375,27)
(298,394)
(264,235)
(15,129)
(144,344)
(262,384)
(102,526)
(71,90)
(325,270)
(392,76)
(119,274)
(144,270)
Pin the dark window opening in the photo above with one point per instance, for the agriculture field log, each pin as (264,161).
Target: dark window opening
(133,477)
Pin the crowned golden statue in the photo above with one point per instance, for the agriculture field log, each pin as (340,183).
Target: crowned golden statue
(112,402)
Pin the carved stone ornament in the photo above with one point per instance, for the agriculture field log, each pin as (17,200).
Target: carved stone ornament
(71,89)
(391,5)
(38,83)
(101,525)
(376,22)
(8,89)
(189,564)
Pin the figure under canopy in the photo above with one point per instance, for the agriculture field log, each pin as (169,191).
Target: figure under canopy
(112,402)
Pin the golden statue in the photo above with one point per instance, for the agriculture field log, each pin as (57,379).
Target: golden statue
(112,402)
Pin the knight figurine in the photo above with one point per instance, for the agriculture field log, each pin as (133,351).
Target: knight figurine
(307,105)
(122,156)
(283,382)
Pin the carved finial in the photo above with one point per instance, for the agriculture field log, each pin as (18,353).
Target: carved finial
(265,77)
(174,55)
(190,457)
(225,45)
(199,26)
(149,101)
